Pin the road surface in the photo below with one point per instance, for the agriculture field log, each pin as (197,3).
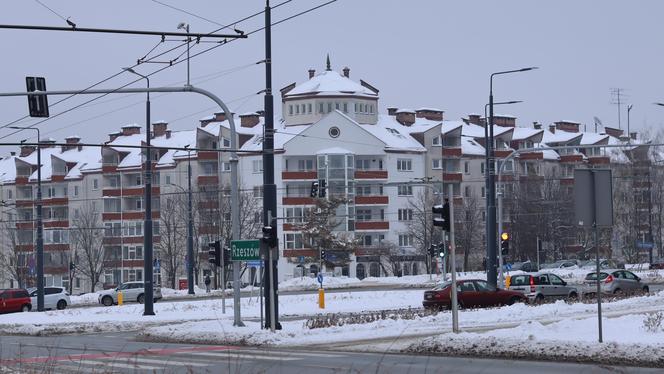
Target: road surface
(119,353)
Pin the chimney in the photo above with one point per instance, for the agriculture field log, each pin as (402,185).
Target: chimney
(391,111)
(405,117)
(567,126)
(346,72)
(537,125)
(114,135)
(249,119)
(131,130)
(475,119)
(168,134)
(12,153)
(71,142)
(47,143)
(552,128)
(26,150)
(312,72)
(632,135)
(220,116)
(159,128)
(430,114)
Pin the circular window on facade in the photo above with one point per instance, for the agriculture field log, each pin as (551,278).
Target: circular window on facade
(334,132)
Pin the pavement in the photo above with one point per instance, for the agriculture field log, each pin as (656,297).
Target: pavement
(121,353)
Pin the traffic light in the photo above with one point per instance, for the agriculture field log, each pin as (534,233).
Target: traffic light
(214,253)
(444,211)
(37,104)
(322,254)
(225,256)
(504,244)
(314,189)
(433,249)
(322,184)
(270,236)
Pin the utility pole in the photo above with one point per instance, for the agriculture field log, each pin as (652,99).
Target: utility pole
(190,226)
(269,188)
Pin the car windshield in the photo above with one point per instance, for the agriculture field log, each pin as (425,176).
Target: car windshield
(32,289)
(441,286)
(593,276)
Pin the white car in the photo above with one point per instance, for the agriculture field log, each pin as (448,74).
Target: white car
(54,298)
(131,292)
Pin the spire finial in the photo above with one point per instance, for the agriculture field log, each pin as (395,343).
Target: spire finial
(328,63)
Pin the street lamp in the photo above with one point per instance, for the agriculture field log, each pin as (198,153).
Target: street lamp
(491,192)
(487,162)
(147,240)
(40,224)
(185,26)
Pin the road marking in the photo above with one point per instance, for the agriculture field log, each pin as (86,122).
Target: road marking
(167,362)
(117,364)
(233,356)
(286,353)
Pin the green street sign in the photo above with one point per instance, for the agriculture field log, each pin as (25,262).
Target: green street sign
(245,250)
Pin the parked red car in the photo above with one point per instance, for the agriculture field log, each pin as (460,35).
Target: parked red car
(14,300)
(471,293)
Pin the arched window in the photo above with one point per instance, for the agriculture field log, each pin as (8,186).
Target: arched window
(313,269)
(374,270)
(360,271)
(415,268)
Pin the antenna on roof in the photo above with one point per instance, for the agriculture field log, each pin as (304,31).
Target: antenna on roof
(597,122)
(329,68)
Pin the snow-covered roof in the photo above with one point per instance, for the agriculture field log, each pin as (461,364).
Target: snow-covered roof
(425,109)
(405,110)
(522,133)
(559,137)
(333,151)
(470,147)
(477,131)
(330,82)
(178,139)
(592,138)
(8,169)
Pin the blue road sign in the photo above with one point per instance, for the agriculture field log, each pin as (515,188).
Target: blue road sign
(643,245)
(320,278)
(255,263)
(301,259)
(508,267)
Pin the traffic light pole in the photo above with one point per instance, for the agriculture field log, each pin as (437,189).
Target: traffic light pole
(455,304)
(223,283)
(500,230)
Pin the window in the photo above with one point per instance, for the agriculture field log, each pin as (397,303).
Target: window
(139,204)
(371,109)
(294,241)
(9,194)
(302,106)
(309,108)
(405,240)
(297,109)
(329,107)
(405,190)
(356,108)
(225,143)
(466,167)
(435,140)
(321,107)
(257,166)
(290,110)
(305,165)
(294,215)
(336,106)
(225,167)
(132,252)
(466,191)
(362,190)
(363,214)
(405,214)
(363,164)
(482,286)
(405,164)
(482,168)
(258,192)
(95,184)
(436,163)
(555,280)
(483,192)
(345,107)
(168,179)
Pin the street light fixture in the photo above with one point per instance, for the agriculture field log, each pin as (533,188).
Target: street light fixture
(492,237)
(147,240)
(185,26)
(40,224)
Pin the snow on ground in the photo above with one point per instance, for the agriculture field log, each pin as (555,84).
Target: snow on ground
(626,341)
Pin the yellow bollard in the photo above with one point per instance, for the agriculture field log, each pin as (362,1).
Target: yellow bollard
(120,298)
(321,298)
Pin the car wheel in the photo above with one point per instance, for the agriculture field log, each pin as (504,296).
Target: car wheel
(646,290)
(25,308)
(514,300)
(573,296)
(539,299)
(617,291)
(61,305)
(107,301)
(141,299)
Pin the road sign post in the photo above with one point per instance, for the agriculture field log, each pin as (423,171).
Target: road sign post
(241,250)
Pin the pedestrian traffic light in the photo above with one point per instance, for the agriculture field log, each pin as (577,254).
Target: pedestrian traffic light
(314,189)
(214,253)
(444,211)
(322,184)
(504,244)
(270,235)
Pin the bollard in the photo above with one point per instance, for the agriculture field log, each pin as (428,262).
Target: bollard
(120,298)
(321,298)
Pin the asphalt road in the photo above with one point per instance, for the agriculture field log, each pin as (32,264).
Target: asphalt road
(119,353)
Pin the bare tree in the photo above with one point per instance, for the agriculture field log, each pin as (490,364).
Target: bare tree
(421,225)
(10,260)
(86,237)
(172,244)
(468,226)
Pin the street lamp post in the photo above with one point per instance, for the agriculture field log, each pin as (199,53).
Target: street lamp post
(487,160)
(190,228)
(147,240)
(492,237)
(40,224)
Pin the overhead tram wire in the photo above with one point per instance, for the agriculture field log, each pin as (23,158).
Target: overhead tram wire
(162,69)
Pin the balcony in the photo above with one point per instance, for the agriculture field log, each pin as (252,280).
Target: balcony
(372,200)
(208,180)
(306,252)
(571,158)
(372,225)
(502,153)
(299,175)
(599,160)
(297,200)
(116,216)
(452,152)
(452,176)
(207,155)
(128,191)
(371,174)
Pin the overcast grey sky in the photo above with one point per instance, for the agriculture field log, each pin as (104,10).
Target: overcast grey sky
(417,53)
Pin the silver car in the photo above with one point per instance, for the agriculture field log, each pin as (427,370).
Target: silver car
(54,298)
(614,281)
(131,291)
(537,287)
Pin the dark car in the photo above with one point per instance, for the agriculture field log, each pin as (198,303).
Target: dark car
(471,293)
(14,300)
